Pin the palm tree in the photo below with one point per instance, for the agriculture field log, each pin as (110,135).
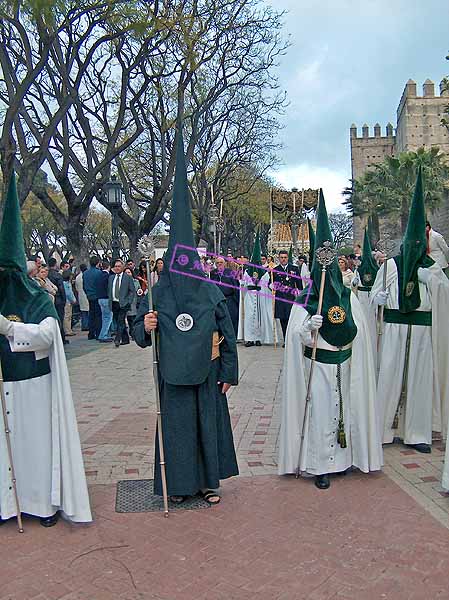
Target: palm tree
(387,189)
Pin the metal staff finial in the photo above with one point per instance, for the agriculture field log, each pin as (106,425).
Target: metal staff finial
(326,254)
(146,246)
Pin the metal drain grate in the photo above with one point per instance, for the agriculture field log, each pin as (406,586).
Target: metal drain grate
(135,496)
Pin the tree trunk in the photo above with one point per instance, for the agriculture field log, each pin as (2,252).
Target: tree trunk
(75,243)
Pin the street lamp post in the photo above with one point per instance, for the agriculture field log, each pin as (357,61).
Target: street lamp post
(113,192)
(214,217)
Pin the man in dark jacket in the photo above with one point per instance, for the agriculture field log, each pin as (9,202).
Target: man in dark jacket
(121,292)
(286,284)
(60,299)
(91,278)
(230,288)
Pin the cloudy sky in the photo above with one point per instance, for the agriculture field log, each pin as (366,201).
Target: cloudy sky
(348,62)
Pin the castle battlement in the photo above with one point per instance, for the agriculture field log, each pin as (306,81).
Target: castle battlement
(428,92)
(366,132)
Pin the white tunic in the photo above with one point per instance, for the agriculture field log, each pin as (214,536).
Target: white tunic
(320,452)
(370,313)
(44,435)
(257,313)
(427,400)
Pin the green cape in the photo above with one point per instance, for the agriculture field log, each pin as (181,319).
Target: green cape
(413,252)
(184,356)
(368,267)
(21,299)
(336,295)
(256,258)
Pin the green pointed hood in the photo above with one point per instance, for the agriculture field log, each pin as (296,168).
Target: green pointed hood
(311,241)
(335,293)
(20,297)
(290,255)
(183,288)
(413,252)
(368,267)
(256,257)
(12,249)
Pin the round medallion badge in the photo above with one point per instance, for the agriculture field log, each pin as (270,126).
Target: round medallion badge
(409,288)
(184,322)
(336,315)
(367,278)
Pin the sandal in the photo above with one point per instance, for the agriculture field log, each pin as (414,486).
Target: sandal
(177,499)
(211,497)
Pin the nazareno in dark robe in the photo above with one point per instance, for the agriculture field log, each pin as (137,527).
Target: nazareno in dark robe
(198,442)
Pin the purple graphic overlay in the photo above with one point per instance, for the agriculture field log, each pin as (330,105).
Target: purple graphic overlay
(185,261)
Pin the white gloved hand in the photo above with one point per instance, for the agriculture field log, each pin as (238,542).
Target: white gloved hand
(314,323)
(6,327)
(355,281)
(381,298)
(423,275)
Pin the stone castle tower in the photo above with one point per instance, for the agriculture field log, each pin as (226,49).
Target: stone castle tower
(418,124)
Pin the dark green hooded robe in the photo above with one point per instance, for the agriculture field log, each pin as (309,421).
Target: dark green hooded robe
(198,443)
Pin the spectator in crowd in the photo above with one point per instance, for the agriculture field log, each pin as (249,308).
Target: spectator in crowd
(131,314)
(142,276)
(64,266)
(156,272)
(70,301)
(43,280)
(56,278)
(103,301)
(90,278)
(346,272)
(121,294)
(32,269)
(130,264)
(82,298)
(37,259)
(437,248)
(72,265)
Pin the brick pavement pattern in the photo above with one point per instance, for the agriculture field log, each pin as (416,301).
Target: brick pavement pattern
(380,536)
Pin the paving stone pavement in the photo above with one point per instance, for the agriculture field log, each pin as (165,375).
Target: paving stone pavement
(381,536)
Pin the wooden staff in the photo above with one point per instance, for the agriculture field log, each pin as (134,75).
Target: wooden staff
(325,255)
(380,309)
(9,449)
(146,248)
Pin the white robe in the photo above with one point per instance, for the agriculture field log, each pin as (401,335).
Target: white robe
(427,401)
(370,313)
(44,434)
(320,452)
(256,314)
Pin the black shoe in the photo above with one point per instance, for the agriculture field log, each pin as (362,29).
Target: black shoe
(423,448)
(283,345)
(105,341)
(124,343)
(258,343)
(116,343)
(322,482)
(49,521)
(249,344)
(65,342)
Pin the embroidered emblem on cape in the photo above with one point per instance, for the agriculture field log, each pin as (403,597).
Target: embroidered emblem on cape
(336,315)
(14,318)
(367,278)
(409,288)
(184,322)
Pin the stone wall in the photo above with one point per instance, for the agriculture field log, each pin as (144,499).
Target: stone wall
(418,125)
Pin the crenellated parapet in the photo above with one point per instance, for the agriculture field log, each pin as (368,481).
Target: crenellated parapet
(365,131)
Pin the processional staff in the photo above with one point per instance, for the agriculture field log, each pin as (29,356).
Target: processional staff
(9,449)
(325,255)
(146,246)
(380,311)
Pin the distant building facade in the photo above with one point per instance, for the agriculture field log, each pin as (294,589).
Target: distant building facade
(418,124)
